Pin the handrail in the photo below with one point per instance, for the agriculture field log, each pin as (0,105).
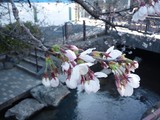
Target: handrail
(36,59)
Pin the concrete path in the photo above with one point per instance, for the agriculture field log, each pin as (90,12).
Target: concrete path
(14,85)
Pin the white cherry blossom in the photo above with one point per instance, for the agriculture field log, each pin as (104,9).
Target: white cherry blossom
(87,58)
(150,10)
(100,75)
(113,53)
(46,82)
(141,14)
(65,66)
(92,86)
(157,7)
(127,89)
(54,82)
(70,55)
(134,65)
(83,69)
(133,80)
(74,78)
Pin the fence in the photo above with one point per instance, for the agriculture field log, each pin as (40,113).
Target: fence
(151,25)
(71,31)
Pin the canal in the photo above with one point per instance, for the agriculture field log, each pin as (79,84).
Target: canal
(107,104)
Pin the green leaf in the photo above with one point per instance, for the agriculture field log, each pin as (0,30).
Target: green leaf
(55,48)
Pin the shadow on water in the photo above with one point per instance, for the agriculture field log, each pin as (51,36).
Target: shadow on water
(107,104)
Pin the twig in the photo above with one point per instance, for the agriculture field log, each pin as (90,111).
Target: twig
(16,16)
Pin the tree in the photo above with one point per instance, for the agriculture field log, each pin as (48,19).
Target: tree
(76,62)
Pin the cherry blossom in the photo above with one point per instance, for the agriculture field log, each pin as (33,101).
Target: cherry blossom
(100,75)
(72,47)
(46,82)
(127,89)
(83,69)
(73,79)
(125,81)
(76,65)
(150,10)
(65,66)
(92,85)
(133,65)
(141,14)
(133,80)
(54,82)
(87,58)
(112,54)
(70,55)
(157,7)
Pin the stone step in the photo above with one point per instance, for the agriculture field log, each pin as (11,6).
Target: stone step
(30,68)
(26,69)
(33,62)
(38,55)
(39,52)
(41,61)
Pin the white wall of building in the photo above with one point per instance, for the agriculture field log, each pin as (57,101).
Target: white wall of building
(48,14)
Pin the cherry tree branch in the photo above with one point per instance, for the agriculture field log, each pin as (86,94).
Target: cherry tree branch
(93,12)
(16,16)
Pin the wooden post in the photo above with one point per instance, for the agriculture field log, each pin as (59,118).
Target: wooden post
(66,31)
(84,30)
(63,34)
(36,59)
(147,25)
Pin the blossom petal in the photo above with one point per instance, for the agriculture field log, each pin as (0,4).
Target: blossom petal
(65,66)
(46,82)
(135,17)
(100,75)
(88,51)
(83,69)
(157,8)
(133,80)
(142,12)
(121,90)
(70,55)
(74,79)
(92,86)
(72,84)
(128,90)
(54,82)
(150,10)
(88,64)
(114,54)
(110,49)
(87,58)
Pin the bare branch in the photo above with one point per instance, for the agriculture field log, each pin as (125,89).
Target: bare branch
(16,16)
(96,14)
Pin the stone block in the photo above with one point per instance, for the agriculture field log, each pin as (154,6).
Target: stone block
(49,95)
(24,109)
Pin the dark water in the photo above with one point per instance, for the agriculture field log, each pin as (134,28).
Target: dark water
(107,104)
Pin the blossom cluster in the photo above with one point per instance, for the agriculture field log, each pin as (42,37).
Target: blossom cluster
(153,8)
(76,65)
